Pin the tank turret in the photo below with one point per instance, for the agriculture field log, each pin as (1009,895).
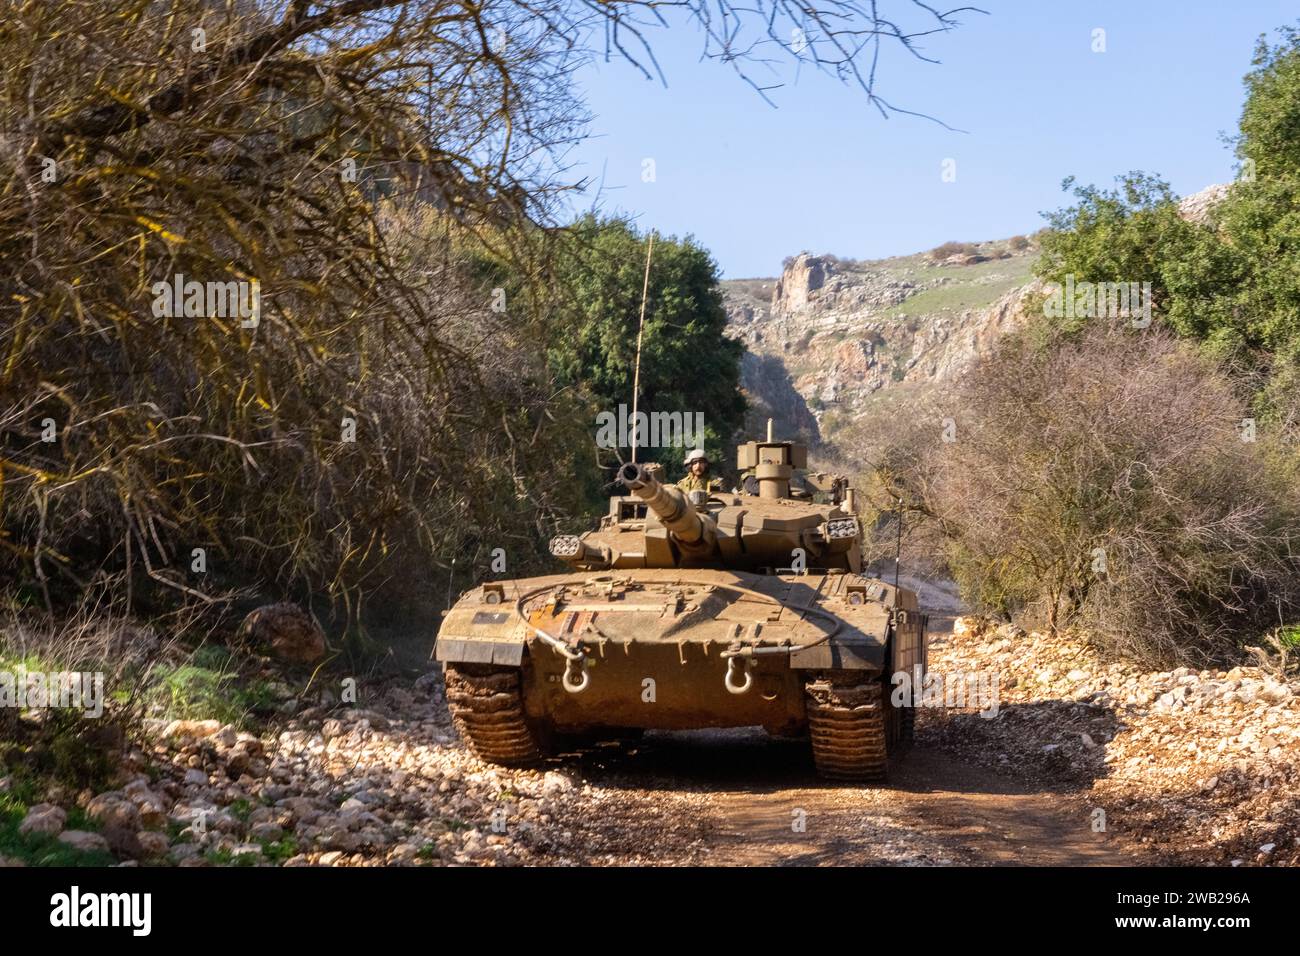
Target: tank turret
(658,525)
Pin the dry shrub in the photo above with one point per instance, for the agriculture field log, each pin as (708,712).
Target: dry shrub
(225,164)
(948,249)
(1103,481)
(95,638)
(889,455)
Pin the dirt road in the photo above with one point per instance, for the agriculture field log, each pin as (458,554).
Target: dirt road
(739,797)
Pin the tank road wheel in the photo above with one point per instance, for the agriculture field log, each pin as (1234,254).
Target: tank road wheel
(846,720)
(487,709)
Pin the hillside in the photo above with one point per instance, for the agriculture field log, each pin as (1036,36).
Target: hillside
(831,339)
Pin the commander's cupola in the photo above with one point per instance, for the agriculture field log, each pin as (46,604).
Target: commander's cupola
(773,463)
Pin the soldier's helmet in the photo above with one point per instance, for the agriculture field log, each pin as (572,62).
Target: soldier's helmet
(695,454)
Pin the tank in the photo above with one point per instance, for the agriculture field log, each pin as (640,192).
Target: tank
(740,609)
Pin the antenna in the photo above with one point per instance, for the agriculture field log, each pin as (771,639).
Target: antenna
(898,545)
(640,329)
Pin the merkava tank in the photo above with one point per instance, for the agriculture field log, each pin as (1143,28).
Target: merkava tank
(692,611)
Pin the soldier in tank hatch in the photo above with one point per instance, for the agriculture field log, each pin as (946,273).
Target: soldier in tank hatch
(697,473)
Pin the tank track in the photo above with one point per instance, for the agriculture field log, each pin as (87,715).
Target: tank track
(487,710)
(900,725)
(907,728)
(846,720)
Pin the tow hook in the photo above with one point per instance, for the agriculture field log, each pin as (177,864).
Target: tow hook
(737,668)
(576,676)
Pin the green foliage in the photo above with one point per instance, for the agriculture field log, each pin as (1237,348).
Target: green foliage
(191,691)
(687,363)
(35,849)
(1233,280)
(277,851)
(1134,233)
(1270,120)
(1259,219)
(228,858)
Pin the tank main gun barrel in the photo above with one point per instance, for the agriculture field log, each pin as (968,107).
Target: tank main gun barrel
(687,525)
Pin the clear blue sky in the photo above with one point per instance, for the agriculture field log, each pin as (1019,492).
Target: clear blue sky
(823,171)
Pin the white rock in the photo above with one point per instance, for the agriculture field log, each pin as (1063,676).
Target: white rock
(152,843)
(266,831)
(83,840)
(192,728)
(114,809)
(555,782)
(45,819)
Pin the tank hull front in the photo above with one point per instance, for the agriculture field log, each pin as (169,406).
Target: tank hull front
(657,687)
(533,660)
(659,643)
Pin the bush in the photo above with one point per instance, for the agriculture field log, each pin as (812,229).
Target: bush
(948,249)
(1102,481)
(69,746)
(1229,278)
(129,438)
(1017,243)
(142,673)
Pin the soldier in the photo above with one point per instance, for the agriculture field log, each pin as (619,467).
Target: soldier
(697,474)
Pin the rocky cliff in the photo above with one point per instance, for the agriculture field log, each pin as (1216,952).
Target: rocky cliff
(832,340)
(829,337)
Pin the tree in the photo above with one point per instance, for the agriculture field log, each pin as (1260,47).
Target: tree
(688,365)
(1233,280)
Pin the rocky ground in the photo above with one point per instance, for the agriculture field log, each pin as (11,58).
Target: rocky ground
(1194,766)
(386,785)
(1187,766)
